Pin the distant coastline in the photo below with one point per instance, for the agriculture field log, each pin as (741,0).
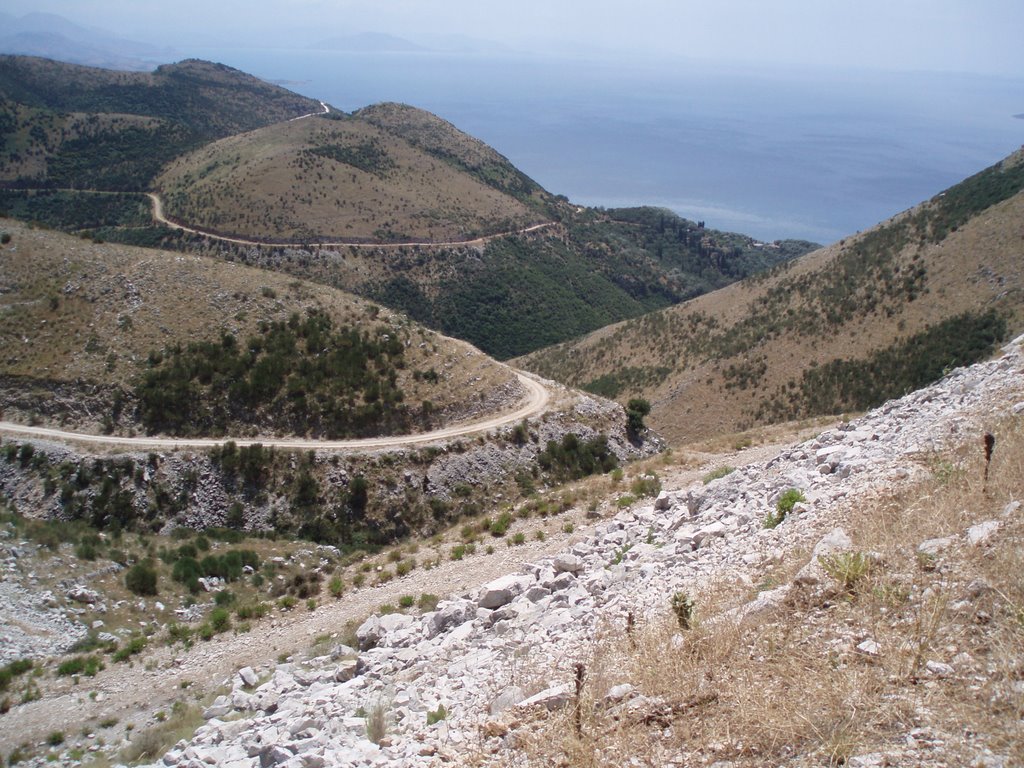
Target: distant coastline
(1020,116)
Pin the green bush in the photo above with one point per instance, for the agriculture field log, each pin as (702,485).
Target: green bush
(141,578)
(645,486)
(336,587)
(80,665)
(636,410)
(500,526)
(848,568)
(715,474)
(220,619)
(783,507)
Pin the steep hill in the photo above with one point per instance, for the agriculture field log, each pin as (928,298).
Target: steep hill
(119,338)
(65,125)
(351,179)
(841,329)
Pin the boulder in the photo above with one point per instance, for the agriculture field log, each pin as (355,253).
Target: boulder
(449,613)
(932,547)
(82,594)
(553,698)
(568,563)
(248,676)
(501,591)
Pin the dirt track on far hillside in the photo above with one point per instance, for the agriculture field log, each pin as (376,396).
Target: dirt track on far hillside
(161,218)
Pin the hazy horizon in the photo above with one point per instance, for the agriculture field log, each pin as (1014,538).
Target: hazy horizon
(789,119)
(909,35)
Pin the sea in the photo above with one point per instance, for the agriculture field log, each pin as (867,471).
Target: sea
(814,154)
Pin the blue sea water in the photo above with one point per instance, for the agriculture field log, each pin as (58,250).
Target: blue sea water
(773,153)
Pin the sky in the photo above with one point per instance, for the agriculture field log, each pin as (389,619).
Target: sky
(981,36)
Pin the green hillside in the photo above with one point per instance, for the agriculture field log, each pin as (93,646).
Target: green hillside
(64,125)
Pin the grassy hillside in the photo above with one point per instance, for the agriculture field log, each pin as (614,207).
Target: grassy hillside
(340,179)
(128,339)
(841,329)
(64,125)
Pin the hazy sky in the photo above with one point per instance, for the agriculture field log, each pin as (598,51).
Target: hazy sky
(938,35)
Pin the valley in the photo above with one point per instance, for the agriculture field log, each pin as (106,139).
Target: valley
(332,438)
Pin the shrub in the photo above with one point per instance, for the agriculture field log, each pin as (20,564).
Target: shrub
(220,619)
(500,526)
(636,409)
(437,715)
(135,646)
(682,607)
(427,602)
(80,665)
(336,587)
(519,538)
(848,568)
(406,601)
(141,578)
(55,739)
(458,551)
(646,485)
(287,602)
(783,507)
(715,474)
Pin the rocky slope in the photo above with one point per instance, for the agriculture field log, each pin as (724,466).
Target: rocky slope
(480,679)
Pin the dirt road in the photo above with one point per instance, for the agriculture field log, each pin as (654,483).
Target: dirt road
(536,402)
(159,217)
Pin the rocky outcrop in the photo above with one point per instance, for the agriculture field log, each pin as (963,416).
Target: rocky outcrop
(510,645)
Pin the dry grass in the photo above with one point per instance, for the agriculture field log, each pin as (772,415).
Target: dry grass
(267,185)
(791,688)
(73,310)
(974,268)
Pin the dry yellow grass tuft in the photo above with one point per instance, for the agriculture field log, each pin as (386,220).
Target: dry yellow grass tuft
(899,657)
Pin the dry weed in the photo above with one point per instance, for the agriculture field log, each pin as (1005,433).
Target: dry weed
(794,689)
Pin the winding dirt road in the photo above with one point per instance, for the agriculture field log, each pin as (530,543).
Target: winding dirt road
(536,401)
(161,218)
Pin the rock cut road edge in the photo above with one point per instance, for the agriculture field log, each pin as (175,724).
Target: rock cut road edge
(537,399)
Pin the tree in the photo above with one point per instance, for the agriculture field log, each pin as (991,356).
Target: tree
(636,409)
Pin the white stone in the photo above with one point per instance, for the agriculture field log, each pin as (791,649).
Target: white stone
(932,547)
(869,648)
(568,563)
(550,699)
(982,533)
(248,676)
